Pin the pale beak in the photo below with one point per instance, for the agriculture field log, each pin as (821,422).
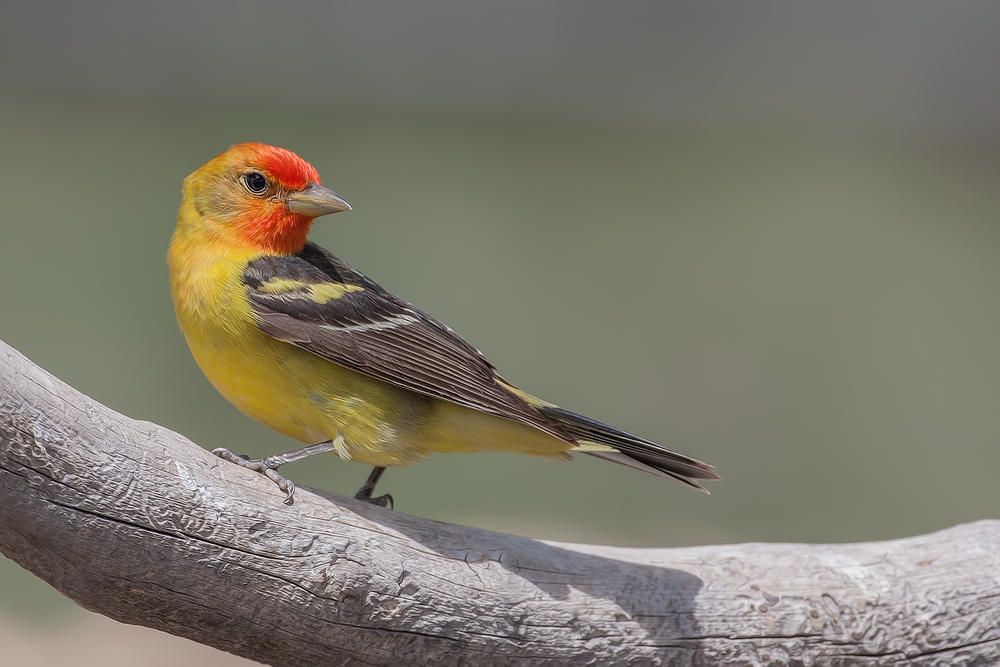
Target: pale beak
(315,201)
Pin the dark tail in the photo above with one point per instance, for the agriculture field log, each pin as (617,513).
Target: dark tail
(631,450)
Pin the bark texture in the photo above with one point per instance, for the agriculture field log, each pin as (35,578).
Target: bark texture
(140,524)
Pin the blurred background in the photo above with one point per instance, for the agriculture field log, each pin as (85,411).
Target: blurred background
(765,234)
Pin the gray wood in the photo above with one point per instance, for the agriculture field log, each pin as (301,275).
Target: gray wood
(140,524)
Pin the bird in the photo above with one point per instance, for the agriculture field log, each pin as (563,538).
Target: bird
(312,348)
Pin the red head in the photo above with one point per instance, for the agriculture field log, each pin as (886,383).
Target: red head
(259,196)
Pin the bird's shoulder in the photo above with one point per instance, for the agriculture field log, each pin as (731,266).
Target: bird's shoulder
(315,286)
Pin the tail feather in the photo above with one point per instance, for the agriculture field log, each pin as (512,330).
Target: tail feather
(631,450)
(626,460)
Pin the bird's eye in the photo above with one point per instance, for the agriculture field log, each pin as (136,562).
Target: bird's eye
(254,182)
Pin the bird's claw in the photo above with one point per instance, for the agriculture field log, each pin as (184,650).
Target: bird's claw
(385,500)
(285,484)
(265,467)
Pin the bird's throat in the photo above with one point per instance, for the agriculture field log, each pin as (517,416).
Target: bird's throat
(281,233)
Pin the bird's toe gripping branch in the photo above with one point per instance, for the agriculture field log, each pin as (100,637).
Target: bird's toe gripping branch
(366,490)
(267,467)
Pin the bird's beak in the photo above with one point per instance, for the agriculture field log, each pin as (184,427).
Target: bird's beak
(315,201)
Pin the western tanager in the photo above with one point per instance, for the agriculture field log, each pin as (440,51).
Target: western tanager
(310,347)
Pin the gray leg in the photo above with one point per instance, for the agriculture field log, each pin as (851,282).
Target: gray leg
(269,466)
(365,492)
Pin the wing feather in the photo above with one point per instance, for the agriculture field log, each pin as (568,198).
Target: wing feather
(317,302)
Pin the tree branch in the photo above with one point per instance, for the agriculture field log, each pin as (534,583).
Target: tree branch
(138,523)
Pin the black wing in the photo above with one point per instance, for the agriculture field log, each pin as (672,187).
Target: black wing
(319,303)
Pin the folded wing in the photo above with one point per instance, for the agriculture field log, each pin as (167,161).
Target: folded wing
(317,302)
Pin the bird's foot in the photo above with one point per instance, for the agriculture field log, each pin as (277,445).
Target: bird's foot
(365,492)
(267,467)
(385,500)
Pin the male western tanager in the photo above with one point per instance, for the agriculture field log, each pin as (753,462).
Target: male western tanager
(303,343)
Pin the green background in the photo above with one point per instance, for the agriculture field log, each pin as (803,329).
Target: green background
(796,283)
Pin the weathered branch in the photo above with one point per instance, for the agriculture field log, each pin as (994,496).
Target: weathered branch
(138,523)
